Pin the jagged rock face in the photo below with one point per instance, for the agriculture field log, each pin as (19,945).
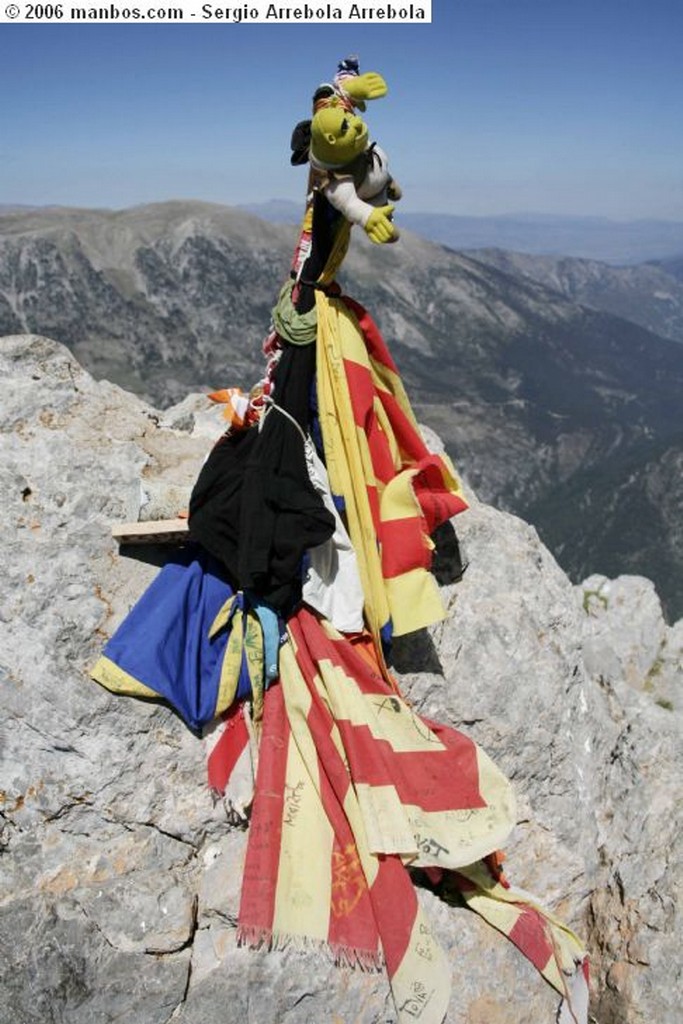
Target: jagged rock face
(120,876)
(538,398)
(626,641)
(626,637)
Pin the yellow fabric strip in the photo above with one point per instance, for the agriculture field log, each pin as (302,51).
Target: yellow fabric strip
(453,839)
(387,825)
(412,600)
(387,717)
(346,465)
(245,640)
(253,643)
(415,601)
(398,498)
(304,882)
(421,985)
(230,666)
(501,907)
(449,839)
(108,674)
(222,617)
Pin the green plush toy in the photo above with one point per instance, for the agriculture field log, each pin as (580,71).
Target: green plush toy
(353,173)
(337,136)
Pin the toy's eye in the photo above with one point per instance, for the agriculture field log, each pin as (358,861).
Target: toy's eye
(344,127)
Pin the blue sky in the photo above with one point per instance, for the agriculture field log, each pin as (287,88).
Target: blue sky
(498,106)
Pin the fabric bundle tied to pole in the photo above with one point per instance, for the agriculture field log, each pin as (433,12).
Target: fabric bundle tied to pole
(349,789)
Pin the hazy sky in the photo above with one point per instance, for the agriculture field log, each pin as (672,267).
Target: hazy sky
(557,106)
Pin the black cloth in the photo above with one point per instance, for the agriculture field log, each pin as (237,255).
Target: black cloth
(323,233)
(253,506)
(301,143)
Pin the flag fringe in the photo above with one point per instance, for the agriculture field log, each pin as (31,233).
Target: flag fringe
(365,960)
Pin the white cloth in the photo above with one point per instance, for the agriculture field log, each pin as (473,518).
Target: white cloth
(332,585)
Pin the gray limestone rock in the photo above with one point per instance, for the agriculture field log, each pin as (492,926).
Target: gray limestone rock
(119,873)
(626,637)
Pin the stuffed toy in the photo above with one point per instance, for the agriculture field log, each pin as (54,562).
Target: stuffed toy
(350,171)
(353,173)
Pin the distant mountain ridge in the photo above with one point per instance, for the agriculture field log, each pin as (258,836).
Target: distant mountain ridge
(531,391)
(649,294)
(672,266)
(597,238)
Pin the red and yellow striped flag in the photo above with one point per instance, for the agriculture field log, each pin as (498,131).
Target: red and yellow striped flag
(394,491)
(352,787)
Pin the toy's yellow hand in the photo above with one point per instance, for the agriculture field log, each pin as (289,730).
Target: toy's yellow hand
(369,86)
(379,227)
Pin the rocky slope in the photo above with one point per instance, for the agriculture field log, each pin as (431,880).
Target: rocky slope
(673,266)
(624,513)
(649,294)
(119,876)
(155,298)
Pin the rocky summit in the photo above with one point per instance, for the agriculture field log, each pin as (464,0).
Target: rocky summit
(120,874)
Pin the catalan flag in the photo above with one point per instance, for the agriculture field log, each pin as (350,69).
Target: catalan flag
(353,787)
(393,489)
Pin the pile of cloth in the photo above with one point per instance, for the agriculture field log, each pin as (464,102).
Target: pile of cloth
(270,631)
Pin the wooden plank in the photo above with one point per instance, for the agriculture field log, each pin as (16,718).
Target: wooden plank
(155,531)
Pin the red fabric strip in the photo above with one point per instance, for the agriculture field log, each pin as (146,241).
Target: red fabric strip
(437,504)
(403,546)
(356,922)
(436,780)
(352,925)
(257,906)
(529,934)
(373,501)
(408,439)
(361,392)
(340,653)
(453,772)
(228,749)
(395,903)
(374,341)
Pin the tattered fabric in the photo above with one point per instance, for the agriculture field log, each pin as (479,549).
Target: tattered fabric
(352,787)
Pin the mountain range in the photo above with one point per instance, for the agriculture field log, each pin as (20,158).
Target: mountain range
(567,414)
(598,238)
(649,294)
